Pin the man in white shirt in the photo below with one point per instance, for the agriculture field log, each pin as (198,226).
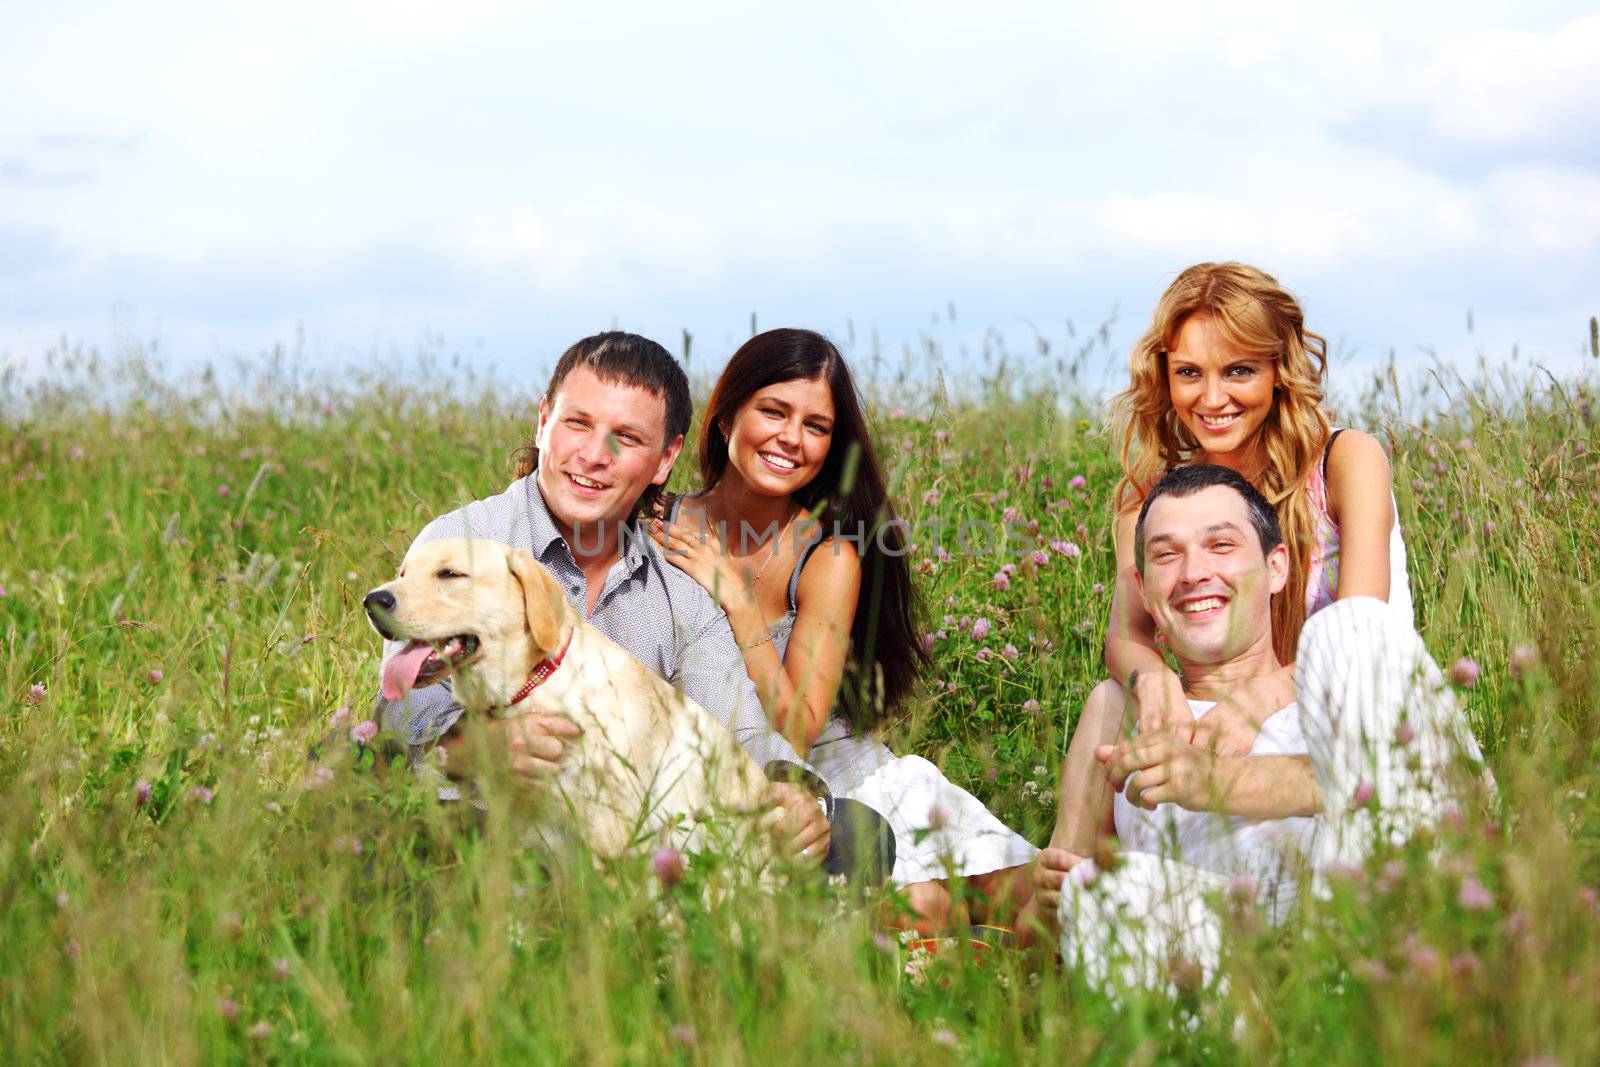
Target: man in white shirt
(1366,749)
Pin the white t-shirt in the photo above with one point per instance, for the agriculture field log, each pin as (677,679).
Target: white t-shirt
(1266,849)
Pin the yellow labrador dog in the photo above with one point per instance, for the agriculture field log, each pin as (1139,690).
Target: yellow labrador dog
(650,761)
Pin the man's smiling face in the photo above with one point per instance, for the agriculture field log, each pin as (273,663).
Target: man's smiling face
(600,447)
(1205,579)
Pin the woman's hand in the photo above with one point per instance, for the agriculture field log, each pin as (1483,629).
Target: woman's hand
(1230,728)
(1159,699)
(695,549)
(801,830)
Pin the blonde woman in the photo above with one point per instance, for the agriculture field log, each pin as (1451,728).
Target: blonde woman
(1228,374)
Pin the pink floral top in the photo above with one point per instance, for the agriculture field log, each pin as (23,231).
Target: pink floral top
(1322,578)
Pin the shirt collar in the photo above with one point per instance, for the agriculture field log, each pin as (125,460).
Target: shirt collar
(542,527)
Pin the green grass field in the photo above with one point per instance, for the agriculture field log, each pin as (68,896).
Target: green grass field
(182,575)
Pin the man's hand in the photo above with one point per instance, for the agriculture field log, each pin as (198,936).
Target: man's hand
(1046,875)
(535,744)
(1049,874)
(1159,701)
(1167,767)
(802,830)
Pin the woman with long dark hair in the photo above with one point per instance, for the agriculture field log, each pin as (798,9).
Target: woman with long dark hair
(794,533)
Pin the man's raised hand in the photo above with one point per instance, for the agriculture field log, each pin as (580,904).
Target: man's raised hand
(1166,767)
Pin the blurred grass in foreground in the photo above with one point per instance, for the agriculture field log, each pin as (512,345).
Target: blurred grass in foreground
(181,619)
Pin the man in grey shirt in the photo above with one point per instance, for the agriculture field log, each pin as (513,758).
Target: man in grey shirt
(611,423)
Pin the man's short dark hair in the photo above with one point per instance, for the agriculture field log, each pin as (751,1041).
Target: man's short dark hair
(1187,481)
(621,359)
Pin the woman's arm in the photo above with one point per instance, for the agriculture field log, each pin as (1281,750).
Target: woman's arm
(797,692)
(1131,641)
(1361,504)
(1231,727)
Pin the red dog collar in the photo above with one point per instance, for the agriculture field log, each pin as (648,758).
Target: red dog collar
(543,670)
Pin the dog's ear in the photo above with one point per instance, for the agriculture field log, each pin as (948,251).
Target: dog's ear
(542,598)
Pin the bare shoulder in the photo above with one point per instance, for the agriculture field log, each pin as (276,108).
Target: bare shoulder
(1358,480)
(1127,517)
(1355,446)
(1108,697)
(1354,460)
(831,574)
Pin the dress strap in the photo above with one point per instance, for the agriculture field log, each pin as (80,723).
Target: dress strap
(1328,451)
(800,565)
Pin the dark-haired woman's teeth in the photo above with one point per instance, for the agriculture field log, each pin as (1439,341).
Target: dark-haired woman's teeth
(779,461)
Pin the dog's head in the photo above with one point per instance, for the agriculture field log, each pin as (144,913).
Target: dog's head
(476,607)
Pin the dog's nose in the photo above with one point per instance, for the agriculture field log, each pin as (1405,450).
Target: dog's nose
(380,610)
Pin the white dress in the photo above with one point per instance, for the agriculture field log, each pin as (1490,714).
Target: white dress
(939,828)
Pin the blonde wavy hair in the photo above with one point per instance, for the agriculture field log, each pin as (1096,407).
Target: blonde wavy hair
(1260,318)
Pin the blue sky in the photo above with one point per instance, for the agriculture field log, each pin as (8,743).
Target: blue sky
(508,177)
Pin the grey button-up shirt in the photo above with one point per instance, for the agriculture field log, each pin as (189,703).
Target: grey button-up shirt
(648,606)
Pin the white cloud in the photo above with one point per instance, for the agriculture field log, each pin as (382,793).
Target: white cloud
(1516,88)
(1341,207)
(1546,217)
(864,159)
(590,248)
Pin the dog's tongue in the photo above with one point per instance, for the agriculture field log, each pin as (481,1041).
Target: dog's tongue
(400,673)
